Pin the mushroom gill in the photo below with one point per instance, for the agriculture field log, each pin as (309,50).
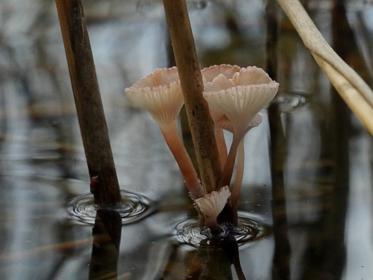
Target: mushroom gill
(236,94)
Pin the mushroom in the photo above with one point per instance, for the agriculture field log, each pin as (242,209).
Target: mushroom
(160,94)
(237,182)
(235,188)
(211,204)
(236,94)
(208,74)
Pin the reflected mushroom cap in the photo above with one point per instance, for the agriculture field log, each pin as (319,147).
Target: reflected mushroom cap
(159,93)
(237,93)
(211,204)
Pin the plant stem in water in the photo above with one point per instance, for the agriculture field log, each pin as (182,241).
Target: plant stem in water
(88,102)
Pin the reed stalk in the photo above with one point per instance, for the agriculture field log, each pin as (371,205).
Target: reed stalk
(351,87)
(199,119)
(93,128)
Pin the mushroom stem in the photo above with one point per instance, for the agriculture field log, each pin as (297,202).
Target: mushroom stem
(229,164)
(183,160)
(222,147)
(237,183)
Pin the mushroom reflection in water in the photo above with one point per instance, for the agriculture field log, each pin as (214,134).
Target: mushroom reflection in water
(160,94)
(235,95)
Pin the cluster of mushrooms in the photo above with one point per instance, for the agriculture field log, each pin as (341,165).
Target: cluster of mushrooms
(235,96)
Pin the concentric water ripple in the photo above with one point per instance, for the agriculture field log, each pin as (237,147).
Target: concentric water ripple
(248,230)
(132,208)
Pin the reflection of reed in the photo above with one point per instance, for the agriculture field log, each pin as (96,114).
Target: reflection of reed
(325,253)
(106,245)
(347,49)
(281,266)
(41,88)
(53,119)
(281,256)
(214,261)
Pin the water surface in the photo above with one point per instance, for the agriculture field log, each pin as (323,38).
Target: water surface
(315,193)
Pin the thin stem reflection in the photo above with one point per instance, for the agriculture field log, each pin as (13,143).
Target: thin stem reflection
(106,245)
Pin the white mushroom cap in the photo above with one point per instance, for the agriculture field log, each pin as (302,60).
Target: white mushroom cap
(159,93)
(209,74)
(211,204)
(238,93)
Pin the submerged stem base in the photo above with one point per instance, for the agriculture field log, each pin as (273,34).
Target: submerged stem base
(247,230)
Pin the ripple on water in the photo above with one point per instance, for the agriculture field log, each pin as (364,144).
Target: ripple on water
(132,208)
(248,230)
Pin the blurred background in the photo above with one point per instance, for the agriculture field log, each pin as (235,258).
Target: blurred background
(312,186)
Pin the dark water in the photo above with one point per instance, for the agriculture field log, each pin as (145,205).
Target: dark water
(315,193)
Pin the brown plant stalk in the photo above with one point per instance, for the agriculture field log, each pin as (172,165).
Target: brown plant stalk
(199,119)
(88,102)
